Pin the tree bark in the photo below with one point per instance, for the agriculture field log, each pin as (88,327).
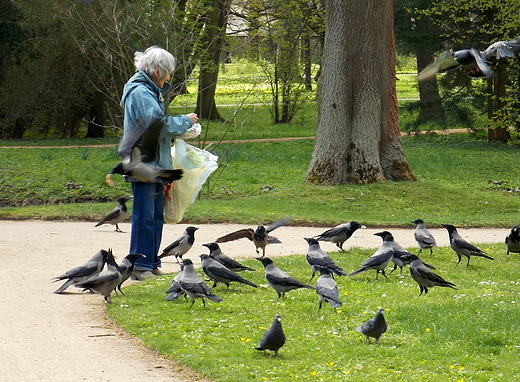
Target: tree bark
(357,136)
(431,105)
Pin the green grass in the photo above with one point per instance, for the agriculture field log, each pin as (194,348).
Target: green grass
(467,334)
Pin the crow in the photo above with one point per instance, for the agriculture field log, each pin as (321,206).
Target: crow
(106,281)
(327,289)
(425,277)
(380,259)
(117,215)
(399,260)
(83,272)
(277,279)
(423,237)
(127,267)
(513,240)
(220,274)
(216,253)
(274,338)
(478,64)
(375,327)
(339,234)
(260,237)
(317,258)
(175,290)
(462,247)
(194,286)
(181,245)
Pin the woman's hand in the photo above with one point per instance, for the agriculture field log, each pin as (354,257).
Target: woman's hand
(194,117)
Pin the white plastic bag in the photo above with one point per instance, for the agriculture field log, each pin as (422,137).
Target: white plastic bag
(197,166)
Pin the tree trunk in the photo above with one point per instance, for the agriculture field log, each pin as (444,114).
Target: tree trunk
(431,105)
(357,136)
(96,117)
(496,108)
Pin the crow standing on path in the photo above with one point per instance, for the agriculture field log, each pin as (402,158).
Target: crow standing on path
(117,215)
(181,245)
(340,234)
(425,277)
(423,237)
(380,259)
(216,253)
(277,279)
(274,338)
(194,286)
(260,237)
(83,272)
(462,247)
(317,258)
(513,240)
(375,327)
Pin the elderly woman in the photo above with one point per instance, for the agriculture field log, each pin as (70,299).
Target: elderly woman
(143,103)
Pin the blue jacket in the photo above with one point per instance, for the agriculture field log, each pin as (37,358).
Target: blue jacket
(143,102)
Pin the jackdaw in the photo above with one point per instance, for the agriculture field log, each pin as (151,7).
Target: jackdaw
(318,258)
(424,238)
(194,286)
(339,234)
(513,240)
(181,245)
(260,237)
(375,327)
(327,289)
(277,279)
(274,338)
(380,259)
(117,215)
(216,253)
(462,247)
(220,274)
(425,277)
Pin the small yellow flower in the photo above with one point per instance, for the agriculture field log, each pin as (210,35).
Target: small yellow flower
(314,372)
(452,367)
(427,329)
(461,367)
(331,363)
(346,372)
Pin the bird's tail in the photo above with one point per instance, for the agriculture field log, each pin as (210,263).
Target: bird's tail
(244,281)
(65,285)
(100,223)
(339,271)
(171,175)
(334,302)
(214,298)
(486,256)
(358,271)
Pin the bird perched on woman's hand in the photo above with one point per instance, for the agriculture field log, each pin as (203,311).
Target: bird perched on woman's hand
(274,338)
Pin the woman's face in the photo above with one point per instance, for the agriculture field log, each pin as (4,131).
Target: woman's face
(160,81)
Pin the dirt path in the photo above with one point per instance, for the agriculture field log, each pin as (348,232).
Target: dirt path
(48,337)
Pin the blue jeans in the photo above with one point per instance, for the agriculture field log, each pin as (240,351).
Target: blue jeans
(147,224)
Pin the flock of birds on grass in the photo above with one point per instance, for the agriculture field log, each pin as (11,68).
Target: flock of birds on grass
(219,268)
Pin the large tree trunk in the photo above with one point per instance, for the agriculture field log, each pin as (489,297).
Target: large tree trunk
(496,107)
(357,137)
(431,105)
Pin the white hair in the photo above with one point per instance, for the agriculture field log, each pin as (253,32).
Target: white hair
(153,58)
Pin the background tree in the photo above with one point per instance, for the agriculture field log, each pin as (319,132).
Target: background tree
(357,135)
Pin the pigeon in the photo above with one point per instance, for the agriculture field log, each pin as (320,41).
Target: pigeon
(277,279)
(181,245)
(317,258)
(138,148)
(274,338)
(194,286)
(513,240)
(216,253)
(127,267)
(339,234)
(220,274)
(327,289)
(375,327)
(260,237)
(175,290)
(380,259)
(117,215)
(425,277)
(106,281)
(81,273)
(423,237)
(399,260)
(462,247)
(479,64)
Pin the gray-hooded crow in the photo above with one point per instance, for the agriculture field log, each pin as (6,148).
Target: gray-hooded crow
(260,237)
(106,281)
(317,258)
(423,237)
(175,290)
(181,245)
(339,234)
(117,215)
(327,289)
(375,327)
(425,277)
(216,253)
(194,286)
(220,274)
(462,247)
(127,267)
(399,258)
(513,240)
(380,259)
(81,273)
(277,279)
(274,338)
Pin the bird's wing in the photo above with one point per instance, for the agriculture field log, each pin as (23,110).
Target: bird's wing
(503,49)
(145,135)
(460,242)
(200,287)
(277,224)
(424,237)
(442,63)
(112,215)
(175,244)
(426,274)
(378,259)
(283,281)
(366,327)
(81,271)
(482,65)
(327,292)
(241,233)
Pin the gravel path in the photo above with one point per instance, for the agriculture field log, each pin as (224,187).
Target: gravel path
(48,337)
